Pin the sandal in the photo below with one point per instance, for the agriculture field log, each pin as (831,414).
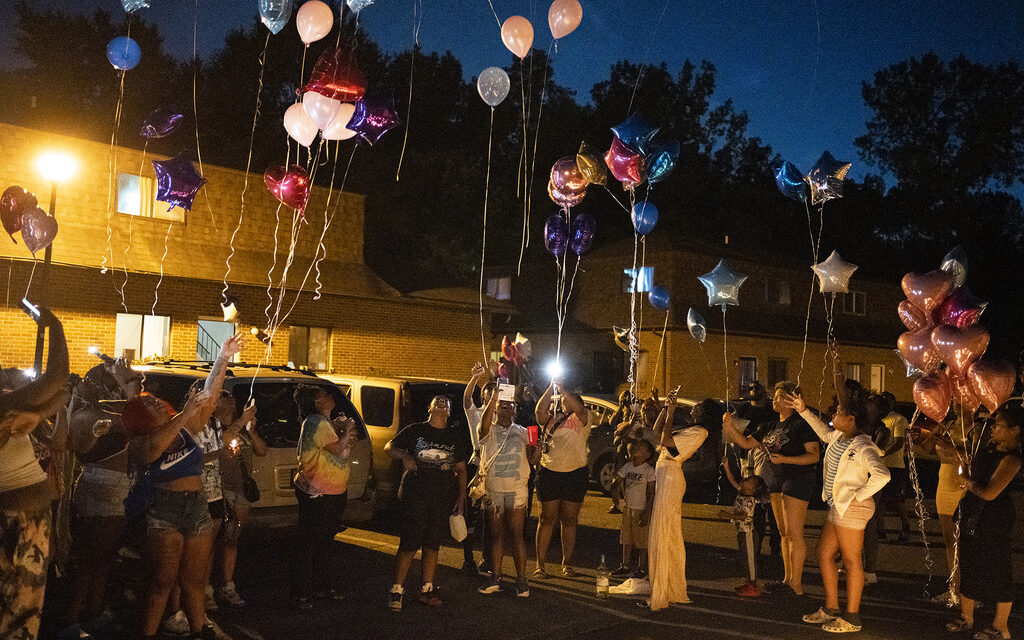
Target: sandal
(539,574)
(819,617)
(840,626)
(568,571)
(958,626)
(990,633)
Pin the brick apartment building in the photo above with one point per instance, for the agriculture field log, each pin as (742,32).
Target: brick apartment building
(360,324)
(765,338)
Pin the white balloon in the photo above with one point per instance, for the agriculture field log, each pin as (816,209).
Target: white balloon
(336,128)
(320,108)
(493,85)
(299,125)
(314,20)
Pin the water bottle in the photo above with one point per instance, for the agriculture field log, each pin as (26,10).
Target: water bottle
(603,577)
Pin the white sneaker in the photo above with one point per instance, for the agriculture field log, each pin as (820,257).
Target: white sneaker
(228,595)
(870,578)
(211,602)
(176,625)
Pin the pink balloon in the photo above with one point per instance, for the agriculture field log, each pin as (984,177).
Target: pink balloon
(566,175)
(563,17)
(299,125)
(320,109)
(958,348)
(932,393)
(927,290)
(314,20)
(961,309)
(517,34)
(992,381)
(964,395)
(913,318)
(917,349)
(337,128)
(625,164)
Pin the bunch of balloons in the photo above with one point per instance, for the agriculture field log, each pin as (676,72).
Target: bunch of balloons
(563,18)
(634,158)
(19,211)
(823,182)
(514,353)
(944,343)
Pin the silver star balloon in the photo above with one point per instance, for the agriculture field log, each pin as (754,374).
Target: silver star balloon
(955,264)
(826,178)
(834,274)
(696,324)
(723,284)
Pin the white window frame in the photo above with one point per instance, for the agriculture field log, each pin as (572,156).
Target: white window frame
(153,341)
(852,307)
(136,196)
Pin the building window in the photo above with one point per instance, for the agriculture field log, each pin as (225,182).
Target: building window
(855,303)
(853,371)
(499,288)
(138,337)
(309,347)
(210,335)
(639,280)
(776,292)
(136,196)
(746,373)
(777,371)
(878,377)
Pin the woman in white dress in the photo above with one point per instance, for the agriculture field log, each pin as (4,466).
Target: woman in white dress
(665,545)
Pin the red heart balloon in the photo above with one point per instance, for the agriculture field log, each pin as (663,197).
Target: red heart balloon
(290,186)
(507,347)
(913,318)
(916,348)
(958,348)
(992,381)
(14,202)
(336,76)
(961,309)
(932,393)
(927,290)
(964,395)
(38,229)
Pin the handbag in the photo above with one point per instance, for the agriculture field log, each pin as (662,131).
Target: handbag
(476,490)
(250,489)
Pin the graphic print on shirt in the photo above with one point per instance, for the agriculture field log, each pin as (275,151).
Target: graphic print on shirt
(434,454)
(507,462)
(775,440)
(171,459)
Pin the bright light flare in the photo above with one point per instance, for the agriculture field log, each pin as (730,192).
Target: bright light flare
(555,370)
(56,166)
(94,350)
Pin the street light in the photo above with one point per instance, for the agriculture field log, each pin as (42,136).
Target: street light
(56,166)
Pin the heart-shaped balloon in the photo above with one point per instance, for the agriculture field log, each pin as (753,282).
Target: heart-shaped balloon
(336,76)
(13,204)
(290,186)
(38,229)
(913,318)
(958,348)
(961,309)
(917,349)
(508,349)
(932,393)
(927,290)
(964,395)
(992,381)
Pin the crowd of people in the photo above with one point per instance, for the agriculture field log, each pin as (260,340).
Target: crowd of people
(177,481)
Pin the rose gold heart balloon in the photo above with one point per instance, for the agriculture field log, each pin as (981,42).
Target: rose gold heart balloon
(927,290)
(916,348)
(992,381)
(912,317)
(932,393)
(964,395)
(958,348)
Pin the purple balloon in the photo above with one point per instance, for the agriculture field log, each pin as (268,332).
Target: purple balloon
(556,235)
(161,123)
(374,116)
(581,233)
(177,181)
(961,309)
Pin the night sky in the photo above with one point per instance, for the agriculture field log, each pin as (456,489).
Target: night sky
(795,66)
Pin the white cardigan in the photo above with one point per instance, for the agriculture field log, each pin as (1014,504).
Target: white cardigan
(861,473)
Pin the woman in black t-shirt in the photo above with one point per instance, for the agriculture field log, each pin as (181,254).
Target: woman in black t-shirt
(793,451)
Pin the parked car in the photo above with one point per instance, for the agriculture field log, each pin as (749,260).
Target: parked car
(277,422)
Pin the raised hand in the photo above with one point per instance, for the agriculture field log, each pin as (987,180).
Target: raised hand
(796,402)
(232,347)
(479,370)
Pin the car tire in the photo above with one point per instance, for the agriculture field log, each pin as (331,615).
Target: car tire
(604,473)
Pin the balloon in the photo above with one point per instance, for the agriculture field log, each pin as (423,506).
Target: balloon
(374,116)
(912,317)
(504,371)
(358,5)
(335,75)
(581,233)
(958,348)
(517,34)
(314,20)
(492,85)
(926,291)
(289,185)
(955,264)
(590,164)
(563,17)
(13,204)
(992,381)
(523,346)
(834,274)
(177,181)
(723,284)
(696,324)
(911,369)
(917,349)
(791,182)
(508,348)
(556,235)
(825,178)
(625,164)
(566,176)
(565,199)
(299,125)
(275,14)
(932,393)
(621,337)
(320,109)
(658,297)
(961,309)
(38,229)
(964,395)
(644,216)
(635,132)
(132,5)
(337,128)
(161,123)
(124,53)
(661,161)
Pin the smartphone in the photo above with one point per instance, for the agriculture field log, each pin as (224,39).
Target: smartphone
(506,393)
(30,308)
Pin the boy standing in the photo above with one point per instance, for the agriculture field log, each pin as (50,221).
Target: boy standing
(636,478)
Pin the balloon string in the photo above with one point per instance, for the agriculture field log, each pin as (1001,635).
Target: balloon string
(112,173)
(496,18)
(643,265)
(248,166)
(131,220)
(661,347)
(919,509)
(616,199)
(416,20)
(483,241)
(31,275)
(536,138)
(830,348)
(327,221)
(707,363)
(633,355)
(810,295)
(647,50)
(520,178)
(195,113)
(725,356)
(273,264)
(156,290)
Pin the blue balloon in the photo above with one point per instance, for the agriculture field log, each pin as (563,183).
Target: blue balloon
(636,132)
(177,181)
(124,53)
(132,5)
(658,297)
(645,216)
(275,14)
(662,160)
(556,235)
(791,182)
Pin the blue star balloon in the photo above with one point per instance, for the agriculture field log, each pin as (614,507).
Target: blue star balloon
(132,5)
(177,181)
(124,53)
(826,178)
(659,298)
(161,123)
(374,116)
(791,182)
(723,284)
(696,324)
(358,5)
(662,160)
(636,132)
(645,216)
(275,14)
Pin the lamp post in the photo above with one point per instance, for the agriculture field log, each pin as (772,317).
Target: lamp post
(57,167)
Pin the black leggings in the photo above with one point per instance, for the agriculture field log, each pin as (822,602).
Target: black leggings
(319,520)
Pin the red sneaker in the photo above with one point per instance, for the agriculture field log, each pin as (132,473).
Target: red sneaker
(749,590)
